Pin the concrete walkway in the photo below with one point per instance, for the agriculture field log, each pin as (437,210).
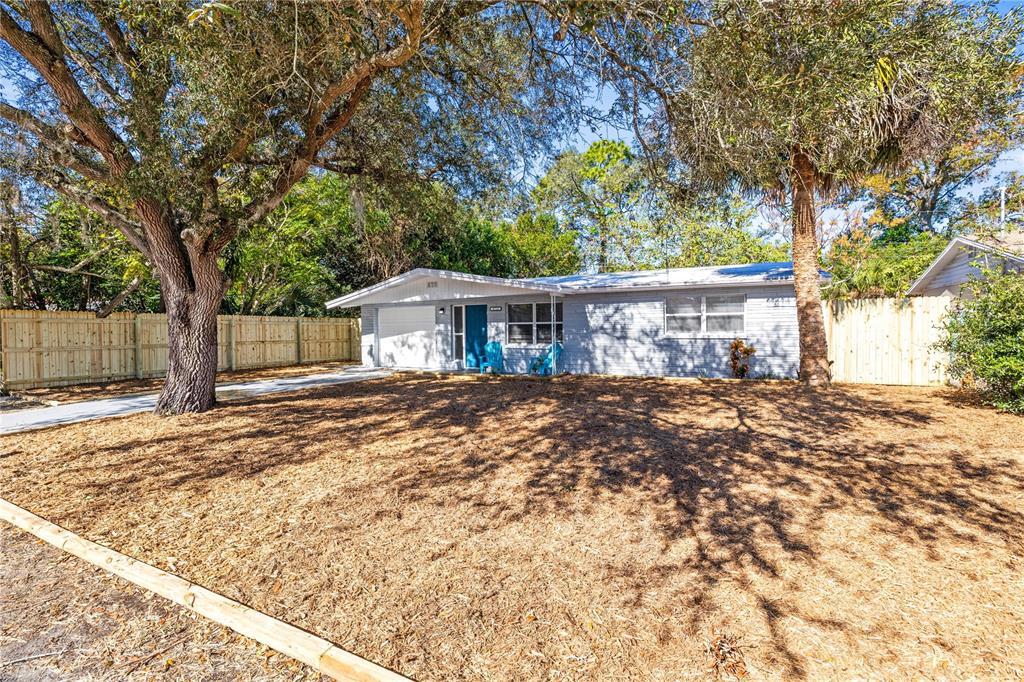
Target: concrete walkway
(40,418)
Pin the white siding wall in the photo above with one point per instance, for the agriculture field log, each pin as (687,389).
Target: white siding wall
(368,323)
(947,281)
(623,333)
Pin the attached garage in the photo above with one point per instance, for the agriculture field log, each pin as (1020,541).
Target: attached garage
(406,337)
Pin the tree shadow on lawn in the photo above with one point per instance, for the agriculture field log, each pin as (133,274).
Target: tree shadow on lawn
(752,485)
(747,473)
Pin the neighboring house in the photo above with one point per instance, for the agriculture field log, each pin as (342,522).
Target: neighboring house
(964,258)
(669,322)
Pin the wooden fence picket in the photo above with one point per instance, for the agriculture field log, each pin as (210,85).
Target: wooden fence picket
(887,340)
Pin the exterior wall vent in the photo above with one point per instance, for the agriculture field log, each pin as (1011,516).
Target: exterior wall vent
(431,285)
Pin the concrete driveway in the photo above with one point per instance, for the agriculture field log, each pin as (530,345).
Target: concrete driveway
(43,417)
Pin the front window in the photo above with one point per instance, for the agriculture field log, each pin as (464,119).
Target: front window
(714,315)
(530,323)
(723,313)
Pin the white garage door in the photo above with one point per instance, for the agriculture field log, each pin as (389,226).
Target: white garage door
(406,336)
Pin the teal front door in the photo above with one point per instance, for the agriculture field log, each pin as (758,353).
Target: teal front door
(476,334)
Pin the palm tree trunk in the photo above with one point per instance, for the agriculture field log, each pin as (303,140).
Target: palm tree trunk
(814,367)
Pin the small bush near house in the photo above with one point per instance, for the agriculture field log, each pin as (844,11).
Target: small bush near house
(739,358)
(984,336)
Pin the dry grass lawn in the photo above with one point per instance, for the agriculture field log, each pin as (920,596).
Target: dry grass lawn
(582,528)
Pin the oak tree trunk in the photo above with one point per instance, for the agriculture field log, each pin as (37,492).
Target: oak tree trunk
(192,351)
(814,367)
(192,287)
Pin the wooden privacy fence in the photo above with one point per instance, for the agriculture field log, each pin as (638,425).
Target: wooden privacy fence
(43,348)
(874,341)
(887,340)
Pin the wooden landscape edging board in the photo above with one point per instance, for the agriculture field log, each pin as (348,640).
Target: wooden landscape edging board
(316,652)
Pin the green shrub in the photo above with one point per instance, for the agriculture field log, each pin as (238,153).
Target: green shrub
(984,336)
(739,358)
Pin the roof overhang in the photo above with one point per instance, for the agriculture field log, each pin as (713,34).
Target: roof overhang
(481,286)
(951,251)
(518,286)
(686,285)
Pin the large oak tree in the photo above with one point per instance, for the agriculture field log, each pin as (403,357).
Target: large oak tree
(183,123)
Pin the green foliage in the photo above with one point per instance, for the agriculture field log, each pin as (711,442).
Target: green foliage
(332,234)
(710,244)
(479,246)
(721,233)
(984,337)
(854,86)
(625,221)
(541,248)
(335,234)
(864,267)
(929,195)
(78,262)
(602,195)
(275,267)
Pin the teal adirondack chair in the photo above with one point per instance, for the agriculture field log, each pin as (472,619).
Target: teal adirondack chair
(541,365)
(494,358)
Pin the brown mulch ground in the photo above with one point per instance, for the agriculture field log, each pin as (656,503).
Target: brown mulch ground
(110,389)
(582,528)
(62,619)
(9,403)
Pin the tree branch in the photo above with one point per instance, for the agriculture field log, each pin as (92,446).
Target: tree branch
(64,147)
(110,307)
(68,271)
(412,19)
(122,50)
(132,231)
(85,63)
(43,49)
(300,163)
(356,83)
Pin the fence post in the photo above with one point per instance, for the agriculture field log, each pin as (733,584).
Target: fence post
(352,334)
(4,361)
(298,340)
(356,339)
(231,343)
(40,346)
(137,331)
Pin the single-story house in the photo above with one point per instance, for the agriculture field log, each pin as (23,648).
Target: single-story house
(667,322)
(964,258)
